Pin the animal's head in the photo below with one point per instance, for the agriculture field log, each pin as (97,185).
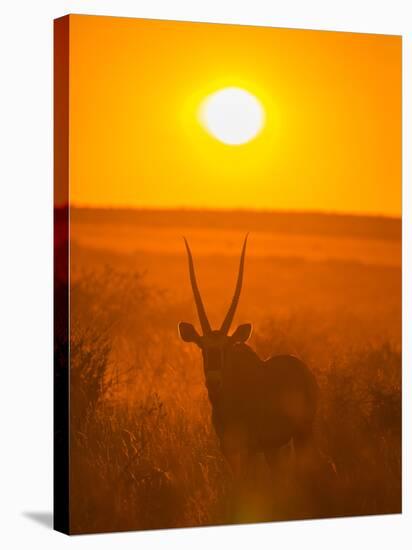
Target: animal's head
(215,343)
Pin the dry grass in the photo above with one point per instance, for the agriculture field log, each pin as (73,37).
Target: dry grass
(143,451)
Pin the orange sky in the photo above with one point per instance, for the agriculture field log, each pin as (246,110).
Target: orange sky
(332,139)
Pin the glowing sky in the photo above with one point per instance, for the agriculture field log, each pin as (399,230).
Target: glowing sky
(332,101)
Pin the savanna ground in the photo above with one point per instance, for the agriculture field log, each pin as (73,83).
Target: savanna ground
(324,288)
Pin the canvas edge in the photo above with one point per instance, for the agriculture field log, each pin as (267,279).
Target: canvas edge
(61,434)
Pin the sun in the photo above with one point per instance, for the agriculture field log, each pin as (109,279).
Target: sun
(232,115)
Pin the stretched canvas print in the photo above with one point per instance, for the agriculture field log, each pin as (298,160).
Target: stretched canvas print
(227,274)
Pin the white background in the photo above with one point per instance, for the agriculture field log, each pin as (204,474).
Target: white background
(26,270)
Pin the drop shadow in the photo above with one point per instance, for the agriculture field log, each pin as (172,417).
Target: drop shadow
(42,518)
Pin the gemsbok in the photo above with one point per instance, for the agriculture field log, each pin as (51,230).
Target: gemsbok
(257,405)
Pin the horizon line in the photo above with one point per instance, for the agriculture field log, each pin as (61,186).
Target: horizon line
(181,208)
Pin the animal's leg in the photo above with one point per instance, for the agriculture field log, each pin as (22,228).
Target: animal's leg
(280,463)
(282,486)
(316,474)
(234,445)
(310,458)
(278,458)
(239,464)
(242,491)
(304,452)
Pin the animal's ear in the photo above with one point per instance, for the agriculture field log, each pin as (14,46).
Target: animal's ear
(242,333)
(188,333)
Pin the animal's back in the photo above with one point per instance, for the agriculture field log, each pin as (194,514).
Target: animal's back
(288,393)
(274,399)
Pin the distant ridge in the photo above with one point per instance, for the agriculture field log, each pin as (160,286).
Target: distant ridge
(306,223)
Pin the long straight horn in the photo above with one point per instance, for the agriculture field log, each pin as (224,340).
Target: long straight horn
(204,322)
(235,300)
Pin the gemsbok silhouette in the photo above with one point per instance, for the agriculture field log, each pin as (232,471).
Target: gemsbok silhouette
(257,405)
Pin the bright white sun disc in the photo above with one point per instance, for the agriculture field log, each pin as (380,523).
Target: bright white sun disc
(232,115)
